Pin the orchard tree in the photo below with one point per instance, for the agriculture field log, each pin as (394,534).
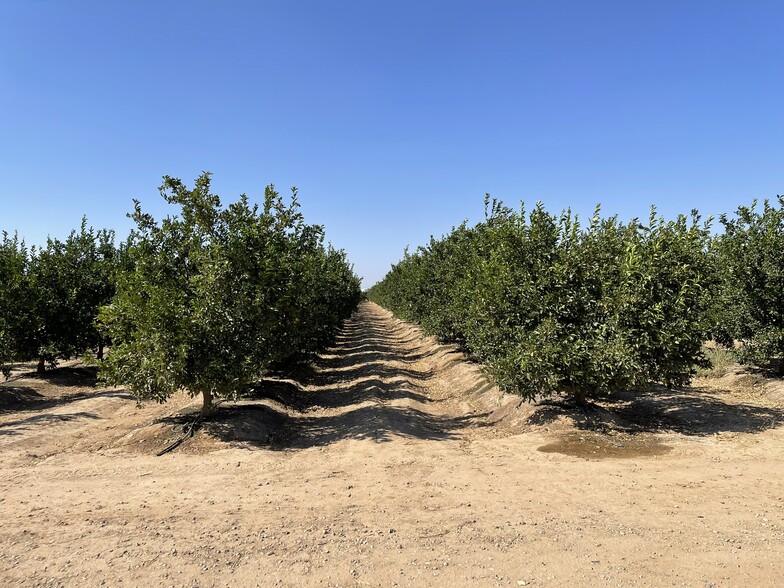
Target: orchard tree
(14,297)
(69,281)
(218,296)
(551,306)
(750,299)
(49,297)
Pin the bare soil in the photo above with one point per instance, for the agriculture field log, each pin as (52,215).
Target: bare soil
(394,463)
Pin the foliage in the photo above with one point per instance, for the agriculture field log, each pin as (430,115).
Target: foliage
(70,280)
(50,296)
(750,299)
(14,292)
(218,296)
(549,305)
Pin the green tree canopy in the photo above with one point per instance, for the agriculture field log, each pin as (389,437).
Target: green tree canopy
(49,297)
(14,297)
(549,305)
(218,296)
(750,299)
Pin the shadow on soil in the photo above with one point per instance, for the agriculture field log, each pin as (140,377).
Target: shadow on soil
(357,390)
(69,376)
(290,395)
(378,422)
(687,411)
(280,415)
(363,368)
(16,397)
(18,426)
(242,423)
(50,392)
(23,398)
(268,426)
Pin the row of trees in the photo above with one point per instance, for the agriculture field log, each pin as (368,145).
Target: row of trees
(219,296)
(207,300)
(749,299)
(50,296)
(549,305)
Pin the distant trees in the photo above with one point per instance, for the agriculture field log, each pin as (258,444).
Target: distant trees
(215,297)
(208,301)
(750,298)
(549,305)
(14,297)
(49,297)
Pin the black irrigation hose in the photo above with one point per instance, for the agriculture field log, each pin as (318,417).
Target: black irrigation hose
(189,430)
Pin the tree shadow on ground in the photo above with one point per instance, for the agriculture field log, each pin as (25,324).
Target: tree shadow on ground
(280,414)
(372,388)
(687,411)
(285,392)
(15,397)
(70,376)
(22,398)
(384,346)
(17,426)
(361,369)
(266,426)
(360,389)
(378,353)
(290,395)
(15,365)
(258,425)
(344,357)
(371,342)
(377,422)
(774,369)
(238,423)
(378,338)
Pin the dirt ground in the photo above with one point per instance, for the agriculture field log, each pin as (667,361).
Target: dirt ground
(393,463)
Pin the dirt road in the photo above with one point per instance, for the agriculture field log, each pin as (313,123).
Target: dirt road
(394,464)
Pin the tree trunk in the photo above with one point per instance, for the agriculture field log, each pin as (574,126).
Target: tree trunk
(41,365)
(207,406)
(99,355)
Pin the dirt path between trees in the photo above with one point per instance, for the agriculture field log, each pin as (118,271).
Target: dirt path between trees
(393,464)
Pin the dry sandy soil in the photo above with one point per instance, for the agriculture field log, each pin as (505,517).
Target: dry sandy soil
(392,464)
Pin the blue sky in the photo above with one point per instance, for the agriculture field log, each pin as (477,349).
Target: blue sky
(392,118)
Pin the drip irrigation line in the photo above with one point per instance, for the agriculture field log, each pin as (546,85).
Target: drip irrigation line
(189,430)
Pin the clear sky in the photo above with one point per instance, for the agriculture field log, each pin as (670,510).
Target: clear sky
(392,117)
